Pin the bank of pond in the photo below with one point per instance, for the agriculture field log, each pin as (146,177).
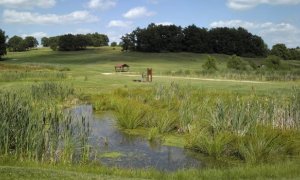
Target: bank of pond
(165,127)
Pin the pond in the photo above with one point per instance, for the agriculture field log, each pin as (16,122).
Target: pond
(118,149)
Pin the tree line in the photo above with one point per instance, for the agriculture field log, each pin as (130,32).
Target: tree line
(172,38)
(285,53)
(70,42)
(17,43)
(159,38)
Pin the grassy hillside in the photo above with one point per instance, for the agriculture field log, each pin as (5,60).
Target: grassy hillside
(86,68)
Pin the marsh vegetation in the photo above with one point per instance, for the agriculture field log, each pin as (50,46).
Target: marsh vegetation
(230,123)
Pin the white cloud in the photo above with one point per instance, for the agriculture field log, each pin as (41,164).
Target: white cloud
(12,16)
(119,23)
(138,12)
(164,23)
(27,3)
(37,35)
(102,4)
(248,4)
(272,33)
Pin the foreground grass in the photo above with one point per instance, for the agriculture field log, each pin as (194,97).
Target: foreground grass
(27,170)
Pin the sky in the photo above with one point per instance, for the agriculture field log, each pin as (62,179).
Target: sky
(276,21)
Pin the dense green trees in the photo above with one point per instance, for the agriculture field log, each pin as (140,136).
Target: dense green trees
(285,53)
(45,42)
(280,50)
(97,40)
(70,42)
(196,39)
(172,38)
(17,43)
(31,42)
(2,43)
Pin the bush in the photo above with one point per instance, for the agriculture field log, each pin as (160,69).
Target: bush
(236,63)
(253,65)
(273,62)
(210,64)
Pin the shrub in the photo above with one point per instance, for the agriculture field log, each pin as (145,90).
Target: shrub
(253,65)
(236,63)
(210,64)
(273,62)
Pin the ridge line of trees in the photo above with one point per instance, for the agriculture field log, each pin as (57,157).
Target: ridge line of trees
(17,43)
(70,42)
(172,38)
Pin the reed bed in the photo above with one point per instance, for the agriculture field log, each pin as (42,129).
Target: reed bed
(247,127)
(34,127)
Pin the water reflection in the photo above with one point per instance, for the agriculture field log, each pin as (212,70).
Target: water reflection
(137,152)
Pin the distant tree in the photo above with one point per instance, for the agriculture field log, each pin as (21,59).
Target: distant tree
(281,51)
(128,42)
(16,43)
(113,44)
(81,42)
(294,54)
(273,62)
(210,64)
(97,39)
(66,42)
(172,38)
(196,39)
(236,63)
(30,42)
(45,41)
(53,43)
(2,43)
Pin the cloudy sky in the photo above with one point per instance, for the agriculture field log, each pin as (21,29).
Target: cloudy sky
(277,21)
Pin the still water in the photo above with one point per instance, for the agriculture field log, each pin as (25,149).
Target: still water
(134,151)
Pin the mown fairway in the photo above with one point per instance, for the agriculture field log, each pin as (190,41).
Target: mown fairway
(237,117)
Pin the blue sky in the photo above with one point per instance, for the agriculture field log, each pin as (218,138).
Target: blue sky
(276,21)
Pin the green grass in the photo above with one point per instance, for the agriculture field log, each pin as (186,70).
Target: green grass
(27,170)
(183,107)
(86,68)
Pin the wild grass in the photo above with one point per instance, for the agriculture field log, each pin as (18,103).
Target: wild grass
(12,76)
(217,124)
(34,127)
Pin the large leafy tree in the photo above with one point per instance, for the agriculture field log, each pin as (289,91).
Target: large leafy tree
(31,42)
(281,51)
(45,41)
(2,43)
(16,43)
(196,39)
